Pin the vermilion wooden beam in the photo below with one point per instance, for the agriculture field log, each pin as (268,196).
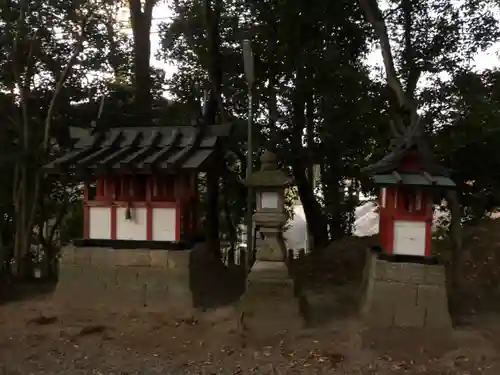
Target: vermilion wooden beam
(86,211)
(149,209)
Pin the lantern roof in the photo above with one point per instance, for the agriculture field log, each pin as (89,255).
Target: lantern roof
(141,149)
(412,144)
(269,175)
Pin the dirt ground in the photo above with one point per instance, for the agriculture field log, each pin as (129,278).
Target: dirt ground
(40,337)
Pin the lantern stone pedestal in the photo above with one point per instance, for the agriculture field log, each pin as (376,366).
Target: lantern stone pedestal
(269,305)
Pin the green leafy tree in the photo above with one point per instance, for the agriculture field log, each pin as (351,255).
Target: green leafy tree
(47,52)
(309,87)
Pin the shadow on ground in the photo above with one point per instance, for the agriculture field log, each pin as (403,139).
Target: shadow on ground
(212,283)
(24,291)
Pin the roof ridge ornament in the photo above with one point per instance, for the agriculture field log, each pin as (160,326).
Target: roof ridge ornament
(269,175)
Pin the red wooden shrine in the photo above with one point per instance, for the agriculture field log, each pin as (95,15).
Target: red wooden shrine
(141,183)
(145,192)
(408,180)
(401,204)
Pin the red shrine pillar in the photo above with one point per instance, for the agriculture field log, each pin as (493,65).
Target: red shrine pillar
(86,211)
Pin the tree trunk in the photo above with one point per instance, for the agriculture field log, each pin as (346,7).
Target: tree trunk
(212,108)
(141,29)
(113,58)
(316,221)
(231,228)
(212,233)
(25,191)
(333,199)
(272,76)
(310,139)
(456,276)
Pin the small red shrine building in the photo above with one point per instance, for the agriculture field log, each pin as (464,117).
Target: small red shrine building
(140,183)
(408,179)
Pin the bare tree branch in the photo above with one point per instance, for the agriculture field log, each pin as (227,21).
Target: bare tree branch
(101,107)
(374,15)
(62,79)
(412,71)
(394,129)
(111,38)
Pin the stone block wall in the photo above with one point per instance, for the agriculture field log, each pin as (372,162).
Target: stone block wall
(405,295)
(125,278)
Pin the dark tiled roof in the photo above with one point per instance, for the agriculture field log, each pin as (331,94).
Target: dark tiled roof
(413,179)
(141,149)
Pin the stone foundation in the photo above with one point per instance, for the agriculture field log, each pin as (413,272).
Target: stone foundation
(125,278)
(404,295)
(269,305)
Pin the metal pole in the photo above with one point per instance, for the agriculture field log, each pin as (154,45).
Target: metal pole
(250,76)
(250,192)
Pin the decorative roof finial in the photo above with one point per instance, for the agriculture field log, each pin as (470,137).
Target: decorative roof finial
(269,175)
(268,161)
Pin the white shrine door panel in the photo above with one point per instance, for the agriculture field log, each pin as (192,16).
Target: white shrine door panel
(409,238)
(164,224)
(134,229)
(100,223)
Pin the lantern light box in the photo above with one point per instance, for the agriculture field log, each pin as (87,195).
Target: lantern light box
(269,199)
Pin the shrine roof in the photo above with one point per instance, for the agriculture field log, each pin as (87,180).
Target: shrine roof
(412,179)
(141,149)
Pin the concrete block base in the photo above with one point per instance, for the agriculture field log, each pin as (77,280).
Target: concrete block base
(269,306)
(120,279)
(409,295)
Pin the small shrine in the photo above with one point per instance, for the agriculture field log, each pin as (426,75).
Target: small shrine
(404,286)
(140,183)
(141,217)
(408,179)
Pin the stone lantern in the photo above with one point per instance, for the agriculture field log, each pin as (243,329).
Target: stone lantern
(270,216)
(269,304)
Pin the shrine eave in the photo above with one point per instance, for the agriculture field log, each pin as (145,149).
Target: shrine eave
(141,150)
(413,179)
